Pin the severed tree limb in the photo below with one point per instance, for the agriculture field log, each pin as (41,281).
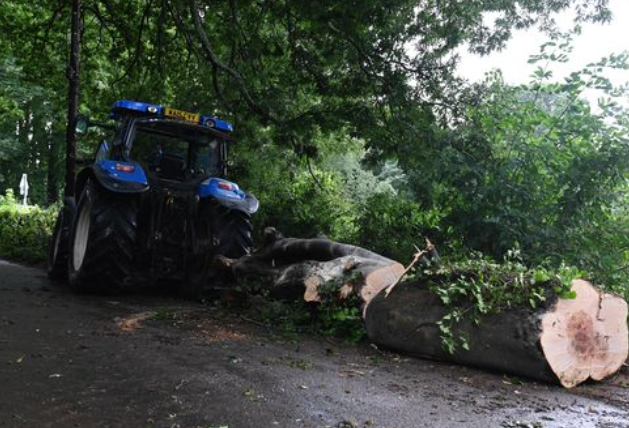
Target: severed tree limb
(300,267)
(419,254)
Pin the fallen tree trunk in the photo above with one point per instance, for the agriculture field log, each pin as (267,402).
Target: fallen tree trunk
(567,341)
(295,268)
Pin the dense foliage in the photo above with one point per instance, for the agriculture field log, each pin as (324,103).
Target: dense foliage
(289,74)
(536,166)
(24,231)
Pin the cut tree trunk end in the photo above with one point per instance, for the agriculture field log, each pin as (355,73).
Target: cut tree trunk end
(585,337)
(567,341)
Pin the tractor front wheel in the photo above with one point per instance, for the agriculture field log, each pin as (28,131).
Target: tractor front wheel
(231,230)
(102,244)
(219,231)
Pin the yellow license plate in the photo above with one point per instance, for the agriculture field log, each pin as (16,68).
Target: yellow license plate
(181,115)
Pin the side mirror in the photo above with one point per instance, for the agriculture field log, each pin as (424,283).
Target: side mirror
(82,124)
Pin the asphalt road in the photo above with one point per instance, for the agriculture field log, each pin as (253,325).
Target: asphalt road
(158,361)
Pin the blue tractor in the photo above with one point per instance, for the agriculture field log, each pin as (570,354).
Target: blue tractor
(153,205)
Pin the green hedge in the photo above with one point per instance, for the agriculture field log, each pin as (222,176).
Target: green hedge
(24,231)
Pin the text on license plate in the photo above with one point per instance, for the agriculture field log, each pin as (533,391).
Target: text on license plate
(181,115)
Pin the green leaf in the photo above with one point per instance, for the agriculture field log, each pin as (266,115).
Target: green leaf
(569,295)
(540,276)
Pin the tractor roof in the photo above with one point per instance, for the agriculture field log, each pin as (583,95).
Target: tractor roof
(126,107)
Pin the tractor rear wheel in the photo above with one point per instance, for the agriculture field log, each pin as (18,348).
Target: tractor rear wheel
(102,244)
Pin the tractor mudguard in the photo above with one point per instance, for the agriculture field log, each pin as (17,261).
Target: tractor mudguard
(116,176)
(229,195)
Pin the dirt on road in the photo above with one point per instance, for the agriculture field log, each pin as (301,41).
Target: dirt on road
(158,361)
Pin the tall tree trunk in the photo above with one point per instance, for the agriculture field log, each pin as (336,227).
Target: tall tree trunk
(52,178)
(73,96)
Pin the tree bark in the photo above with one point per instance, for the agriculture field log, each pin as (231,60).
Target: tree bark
(73,96)
(567,341)
(300,267)
(52,194)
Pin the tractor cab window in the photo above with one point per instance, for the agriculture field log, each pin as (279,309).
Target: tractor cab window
(110,143)
(174,150)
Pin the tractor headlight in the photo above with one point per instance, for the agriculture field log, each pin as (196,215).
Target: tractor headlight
(254,204)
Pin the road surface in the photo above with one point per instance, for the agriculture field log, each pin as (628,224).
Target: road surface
(158,361)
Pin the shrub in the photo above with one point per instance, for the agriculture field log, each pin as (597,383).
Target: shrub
(392,224)
(297,200)
(24,231)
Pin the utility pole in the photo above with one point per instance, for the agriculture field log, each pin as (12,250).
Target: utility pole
(73,95)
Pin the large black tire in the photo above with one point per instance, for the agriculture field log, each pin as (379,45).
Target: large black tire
(232,232)
(103,241)
(219,231)
(58,247)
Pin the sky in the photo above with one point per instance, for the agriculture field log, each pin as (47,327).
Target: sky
(594,42)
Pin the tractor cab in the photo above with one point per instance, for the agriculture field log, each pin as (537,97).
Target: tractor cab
(172,144)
